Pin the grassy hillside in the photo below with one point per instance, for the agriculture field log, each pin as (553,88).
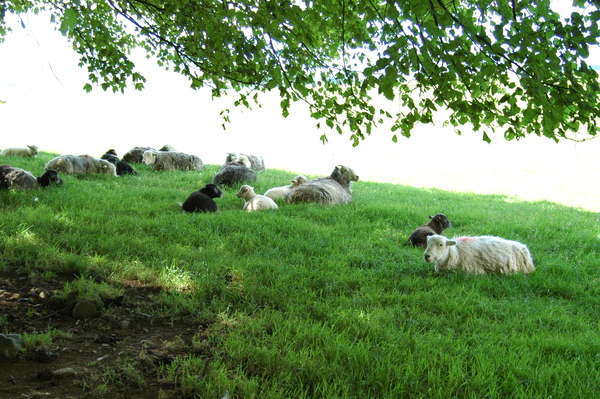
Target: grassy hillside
(310,301)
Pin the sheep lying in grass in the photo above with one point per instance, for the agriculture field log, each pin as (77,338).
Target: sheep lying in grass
(478,255)
(282,193)
(123,168)
(167,147)
(202,200)
(81,165)
(110,156)
(171,160)
(438,223)
(136,154)
(253,162)
(30,151)
(334,189)
(19,179)
(255,202)
(234,173)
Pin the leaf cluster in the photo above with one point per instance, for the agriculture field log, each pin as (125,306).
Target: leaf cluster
(512,66)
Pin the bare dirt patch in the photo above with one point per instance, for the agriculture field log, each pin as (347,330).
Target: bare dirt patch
(121,354)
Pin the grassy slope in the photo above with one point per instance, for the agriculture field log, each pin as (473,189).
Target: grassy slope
(312,301)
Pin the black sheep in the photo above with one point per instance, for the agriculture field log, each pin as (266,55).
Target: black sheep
(202,200)
(111,156)
(124,168)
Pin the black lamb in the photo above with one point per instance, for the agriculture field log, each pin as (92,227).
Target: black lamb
(202,200)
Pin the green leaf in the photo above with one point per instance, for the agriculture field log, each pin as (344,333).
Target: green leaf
(69,22)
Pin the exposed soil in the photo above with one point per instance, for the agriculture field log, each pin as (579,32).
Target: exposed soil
(120,354)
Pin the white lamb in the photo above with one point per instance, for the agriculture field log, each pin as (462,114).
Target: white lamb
(277,193)
(254,162)
(172,160)
(30,151)
(255,202)
(478,255)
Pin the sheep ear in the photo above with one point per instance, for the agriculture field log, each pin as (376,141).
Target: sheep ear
(430,217)
(450,243)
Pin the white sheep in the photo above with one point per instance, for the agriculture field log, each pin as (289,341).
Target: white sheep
(30,151)
(478,255)
(81,165)
(171,160)
(255,202)
(253,162)
(278,193)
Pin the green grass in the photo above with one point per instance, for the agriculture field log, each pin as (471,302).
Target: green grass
(327,302)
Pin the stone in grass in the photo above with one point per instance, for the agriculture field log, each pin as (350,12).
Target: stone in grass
(10,345)
(86,310)
(44,355)
(64,372)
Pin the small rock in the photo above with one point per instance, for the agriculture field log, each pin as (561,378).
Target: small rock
(124,324)
(85,310)
(44,375)
(43,355)
(10,345)
(64,372)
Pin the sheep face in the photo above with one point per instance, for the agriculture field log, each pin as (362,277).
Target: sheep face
(49,178)
(105,167)
(237,158)
(33,150)
(149,157)
(246,192)
(347,173)
(298,180)
(441,220)
(437,248)
(212,191)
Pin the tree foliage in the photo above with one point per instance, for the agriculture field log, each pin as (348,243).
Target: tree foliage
(512,66)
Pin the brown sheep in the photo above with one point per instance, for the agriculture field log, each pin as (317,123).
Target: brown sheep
(436,225)
(334,189)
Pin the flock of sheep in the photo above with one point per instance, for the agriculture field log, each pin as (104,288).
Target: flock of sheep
(478,255)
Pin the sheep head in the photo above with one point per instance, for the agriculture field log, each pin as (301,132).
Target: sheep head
(246,192)
(298,180)
(212,191)
(344,174)
(34,150)
(149,157)
(49,178)
(441,220)
(437,247)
